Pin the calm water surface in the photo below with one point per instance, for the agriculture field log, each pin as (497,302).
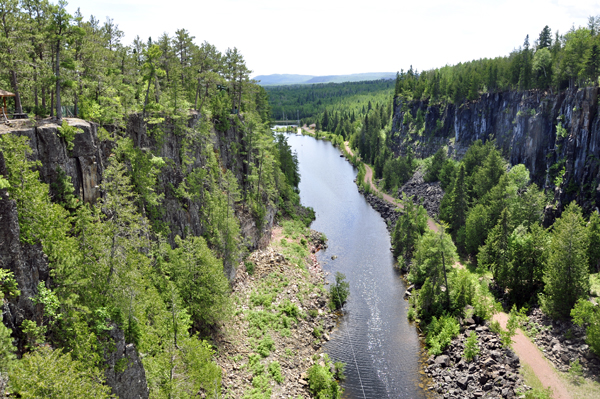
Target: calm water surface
(374,338)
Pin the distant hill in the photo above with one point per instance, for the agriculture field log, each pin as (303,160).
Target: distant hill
(286,79)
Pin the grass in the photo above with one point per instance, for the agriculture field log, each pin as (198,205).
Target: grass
(538,391)
(584,390)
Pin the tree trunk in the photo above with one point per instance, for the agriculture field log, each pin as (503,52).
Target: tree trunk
(15,87)
(58,105)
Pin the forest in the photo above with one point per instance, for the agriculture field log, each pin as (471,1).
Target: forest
(517,250)
(551,62)
(118,266)
(349,101)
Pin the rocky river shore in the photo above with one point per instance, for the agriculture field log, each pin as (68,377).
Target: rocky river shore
(287,285)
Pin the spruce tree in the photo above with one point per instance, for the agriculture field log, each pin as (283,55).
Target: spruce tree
(567,275)
(459,202)
(593,253)
(545,39)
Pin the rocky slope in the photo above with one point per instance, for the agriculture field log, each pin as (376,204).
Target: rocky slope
(294,349)
(562,342)
(494,373)
(541,130)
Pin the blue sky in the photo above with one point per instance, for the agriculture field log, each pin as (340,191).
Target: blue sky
(327,37)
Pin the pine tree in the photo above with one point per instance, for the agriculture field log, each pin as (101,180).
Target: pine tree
(459,202)
(592,63)
(545,39)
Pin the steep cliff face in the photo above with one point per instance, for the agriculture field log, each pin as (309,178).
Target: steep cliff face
(85,165)
(27,262)
(182,215)
(545,132)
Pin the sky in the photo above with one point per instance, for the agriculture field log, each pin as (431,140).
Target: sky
(333,37)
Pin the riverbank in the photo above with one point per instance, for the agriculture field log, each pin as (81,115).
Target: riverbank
(451,369)
(281,318)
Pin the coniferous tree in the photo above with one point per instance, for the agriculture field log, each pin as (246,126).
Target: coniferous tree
(545,38)
(593,230)
(567,273)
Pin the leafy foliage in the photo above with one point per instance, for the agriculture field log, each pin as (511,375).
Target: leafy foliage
(321,381)
(48,373)
(339,291)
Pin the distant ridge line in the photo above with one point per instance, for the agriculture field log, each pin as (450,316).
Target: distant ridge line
(292,79)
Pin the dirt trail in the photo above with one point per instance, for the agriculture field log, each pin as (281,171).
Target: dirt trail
(527,351)
(530,354)
(394,201)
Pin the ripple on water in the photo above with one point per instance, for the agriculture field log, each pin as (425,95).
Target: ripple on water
(380,348)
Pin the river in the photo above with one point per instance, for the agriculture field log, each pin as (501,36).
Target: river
(374,338)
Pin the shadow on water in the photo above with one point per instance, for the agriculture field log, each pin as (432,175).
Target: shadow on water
(380,347)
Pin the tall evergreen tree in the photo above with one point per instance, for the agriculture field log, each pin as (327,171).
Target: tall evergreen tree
(567,273)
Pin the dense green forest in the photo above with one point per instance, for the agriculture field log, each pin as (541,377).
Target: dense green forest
(551,62)
(348,100)
(111,265)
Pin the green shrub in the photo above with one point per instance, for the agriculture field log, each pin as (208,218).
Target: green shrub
(339,368)
(321,382)
(275,371)
(249,268)
(586,314)
(68,134)
(471,347)
(576,372)
(52,374)
(339,291)
(265,346)
(440,333)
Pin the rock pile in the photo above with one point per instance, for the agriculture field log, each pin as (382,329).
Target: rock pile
(562,343)
(494,373)
(388,212)
(294,352)
(427,194)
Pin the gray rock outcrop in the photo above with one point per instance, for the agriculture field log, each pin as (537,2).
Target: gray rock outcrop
(524,125)
(125,373)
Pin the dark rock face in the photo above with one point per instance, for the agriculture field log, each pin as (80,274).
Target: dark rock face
(524,125)
(83,164)
(125,373)
(27,262)
(494,373)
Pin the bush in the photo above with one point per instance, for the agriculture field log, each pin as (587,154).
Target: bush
(249,268)
(275,371)
(471,347)
(440,333)
(339,291)
(265,346)
(586,314)
(321,381)
(68,134)
(46,373)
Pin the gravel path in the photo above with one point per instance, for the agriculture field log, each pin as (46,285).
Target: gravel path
(530,354)
(527,351)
